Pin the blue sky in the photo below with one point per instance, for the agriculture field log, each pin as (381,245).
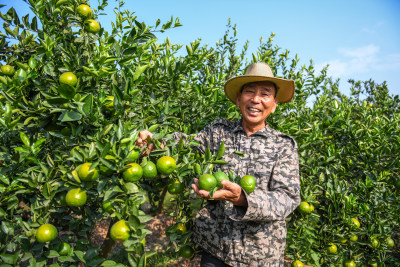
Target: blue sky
(358,39)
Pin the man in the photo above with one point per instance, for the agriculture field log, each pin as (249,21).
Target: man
(236,228)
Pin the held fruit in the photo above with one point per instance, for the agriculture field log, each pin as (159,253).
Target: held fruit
(248,183)
(207,182)
(220,175)
(46,232)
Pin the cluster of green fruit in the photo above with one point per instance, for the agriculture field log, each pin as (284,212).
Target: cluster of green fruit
(209,182)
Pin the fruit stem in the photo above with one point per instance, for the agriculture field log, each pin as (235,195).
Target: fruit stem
(160,204)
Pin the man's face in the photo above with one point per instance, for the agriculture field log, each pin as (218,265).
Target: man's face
(256,102)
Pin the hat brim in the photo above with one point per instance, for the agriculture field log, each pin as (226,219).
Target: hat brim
(285,87)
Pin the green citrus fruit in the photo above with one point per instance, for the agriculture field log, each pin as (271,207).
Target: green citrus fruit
(207,182)
(175,187)
(373,264)
(342,240)
(84,11)
(7,70)
(181,228)
(349,263)
(248,183)
(312,208)
(220,175)
(68,78)
(120,231)
(134,173)
(46,232)
(297,263)
(355,223)
(304,207)
(64,249)
(390,242)
(109,102)
(375,243)
(353,238)
(76,197)
(149,170)
(133,155)
(92,26)
(85,174)
(186,252)
(166,165)
(332,249)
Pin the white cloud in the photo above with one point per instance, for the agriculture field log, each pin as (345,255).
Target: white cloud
(360,60)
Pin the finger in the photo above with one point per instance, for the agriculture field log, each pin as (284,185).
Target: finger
(142,135)
(204,194)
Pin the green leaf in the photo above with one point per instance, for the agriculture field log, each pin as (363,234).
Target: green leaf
(4,179)
(25,139)
(10,258)
(80,255)
(131,188)
(207,154)
(7,228)
(66,91)
(219,162)
(221,150)
(139,70)
(52,254)
(239,153)
(70,116)
(134,222)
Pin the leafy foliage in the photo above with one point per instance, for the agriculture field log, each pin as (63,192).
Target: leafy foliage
(348,145)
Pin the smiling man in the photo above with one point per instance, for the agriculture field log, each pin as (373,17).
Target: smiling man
(236,228)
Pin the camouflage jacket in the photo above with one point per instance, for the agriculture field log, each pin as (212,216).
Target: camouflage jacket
(255,235)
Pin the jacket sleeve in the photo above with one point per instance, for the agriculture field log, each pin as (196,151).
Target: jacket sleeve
(283,195)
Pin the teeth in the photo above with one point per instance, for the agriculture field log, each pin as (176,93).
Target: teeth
(253,109)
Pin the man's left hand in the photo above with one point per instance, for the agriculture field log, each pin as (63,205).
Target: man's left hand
(231,192)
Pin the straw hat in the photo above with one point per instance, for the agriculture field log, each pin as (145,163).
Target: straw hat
(259,72)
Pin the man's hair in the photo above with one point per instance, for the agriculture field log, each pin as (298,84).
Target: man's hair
(276,88)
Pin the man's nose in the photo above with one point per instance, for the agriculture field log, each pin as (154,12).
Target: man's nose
(256,98)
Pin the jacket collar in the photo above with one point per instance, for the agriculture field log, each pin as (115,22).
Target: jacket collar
(265,132)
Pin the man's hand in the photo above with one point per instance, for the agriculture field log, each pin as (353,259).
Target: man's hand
(144,137)
(231,192)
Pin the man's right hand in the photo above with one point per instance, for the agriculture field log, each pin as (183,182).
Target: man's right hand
(144,137)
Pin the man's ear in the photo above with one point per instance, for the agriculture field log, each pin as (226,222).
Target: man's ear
(238,99)
(275,105)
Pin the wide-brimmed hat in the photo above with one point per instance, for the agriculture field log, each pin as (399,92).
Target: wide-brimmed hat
(260,72)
